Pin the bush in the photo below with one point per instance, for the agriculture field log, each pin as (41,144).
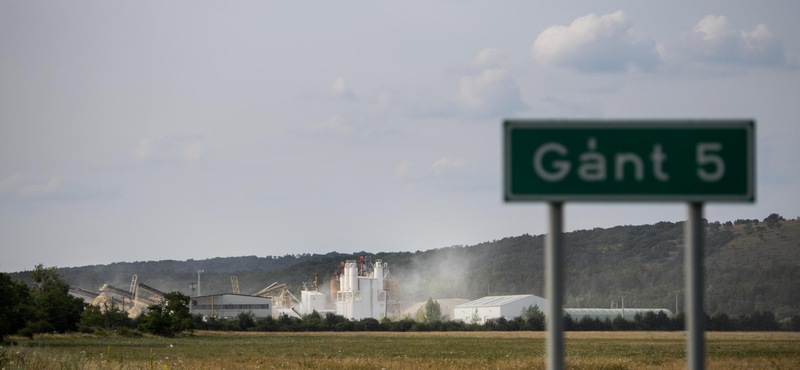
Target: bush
(26,332)
(246,320)
(168,317)
(41,326)
(92,317)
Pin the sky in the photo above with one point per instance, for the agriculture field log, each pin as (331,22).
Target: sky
(152,130)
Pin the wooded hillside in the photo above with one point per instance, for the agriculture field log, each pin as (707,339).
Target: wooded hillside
(752,266)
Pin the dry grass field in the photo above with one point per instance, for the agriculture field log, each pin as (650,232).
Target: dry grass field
(470,350)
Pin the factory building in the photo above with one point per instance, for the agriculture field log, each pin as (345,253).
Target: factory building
(312,300)
(361,292)
(492,308)
(495,307)
(447,305)
(230,305)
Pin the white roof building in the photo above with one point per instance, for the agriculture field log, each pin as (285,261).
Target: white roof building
(494,307)
(447,305)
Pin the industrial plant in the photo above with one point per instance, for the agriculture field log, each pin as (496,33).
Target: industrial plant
(359,289)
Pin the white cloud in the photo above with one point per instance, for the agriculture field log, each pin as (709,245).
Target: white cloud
(404,170)
(339,89)
(493,91)
(714,40)
(490,57)
(447,162)
(10,182)
(40,190)
(333,124)
(595,43)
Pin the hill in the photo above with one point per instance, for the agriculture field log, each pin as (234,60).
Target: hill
(751,266)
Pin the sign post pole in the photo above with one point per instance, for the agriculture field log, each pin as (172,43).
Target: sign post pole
(693,265)
(554,265)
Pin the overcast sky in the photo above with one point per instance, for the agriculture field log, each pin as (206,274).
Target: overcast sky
(155,130)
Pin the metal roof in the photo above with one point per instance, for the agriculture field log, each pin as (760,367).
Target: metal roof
(493,301)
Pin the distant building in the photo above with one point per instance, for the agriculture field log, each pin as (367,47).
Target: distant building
(361,293)
(495,307)
(231,305)
(312,300)
(447,305)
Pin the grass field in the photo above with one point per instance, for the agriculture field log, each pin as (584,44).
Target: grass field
(470,350)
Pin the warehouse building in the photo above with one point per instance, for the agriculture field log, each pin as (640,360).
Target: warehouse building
(495,307)
(230,305)
(492,308)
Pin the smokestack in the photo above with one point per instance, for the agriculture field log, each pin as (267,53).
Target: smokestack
(351,276)
(379,274)
(198,281)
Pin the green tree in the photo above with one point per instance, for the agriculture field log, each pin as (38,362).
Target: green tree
(15,303)
(475,317)
(104,317)
(433,311)
(246,320)
(93,317)
(534,317)
(54,308)
(773,221)
(420,315)
(169,317)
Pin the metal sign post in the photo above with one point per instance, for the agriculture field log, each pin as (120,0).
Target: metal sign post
(645,160)
(693,266)
(554,265)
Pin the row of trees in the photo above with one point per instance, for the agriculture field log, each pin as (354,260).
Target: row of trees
(44,305)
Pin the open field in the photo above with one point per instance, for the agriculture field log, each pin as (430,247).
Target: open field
(451,350)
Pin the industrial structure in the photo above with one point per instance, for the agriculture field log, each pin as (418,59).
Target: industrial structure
(282,298)
(134,301)
(358,289)
(447,305)
(313,300)
(361,292)
(229,305)
(494,307)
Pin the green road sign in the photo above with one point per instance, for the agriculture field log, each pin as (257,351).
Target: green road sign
(632,160)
